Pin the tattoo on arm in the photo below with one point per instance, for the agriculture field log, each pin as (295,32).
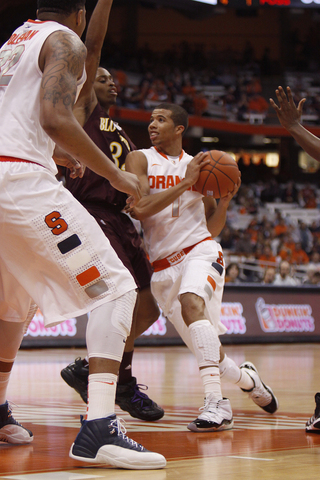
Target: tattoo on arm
(63,67)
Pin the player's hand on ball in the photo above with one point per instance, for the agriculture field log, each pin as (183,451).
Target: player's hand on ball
(227,198)
(194,167)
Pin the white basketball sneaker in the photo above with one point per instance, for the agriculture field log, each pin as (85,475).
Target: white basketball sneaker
(216,415)
(261,394)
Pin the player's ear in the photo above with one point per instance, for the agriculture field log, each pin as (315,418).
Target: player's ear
(180,129)
(81,17)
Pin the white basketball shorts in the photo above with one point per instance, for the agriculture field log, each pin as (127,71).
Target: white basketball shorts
(201,272)
(51,250)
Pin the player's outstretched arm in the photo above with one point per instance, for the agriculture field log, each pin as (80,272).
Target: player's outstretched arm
(61,61)
(96,32)
(289,116)
(149,205)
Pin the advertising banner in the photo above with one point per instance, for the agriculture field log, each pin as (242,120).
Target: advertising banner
(251,314)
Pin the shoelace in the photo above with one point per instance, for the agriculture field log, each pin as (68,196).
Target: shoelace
(207,405)
(140,396)
(9,415)
(119,425)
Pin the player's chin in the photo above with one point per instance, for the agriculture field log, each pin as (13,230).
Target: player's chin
(112,98)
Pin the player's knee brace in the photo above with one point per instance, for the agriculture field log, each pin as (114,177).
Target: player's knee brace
(206,343)
(109,326)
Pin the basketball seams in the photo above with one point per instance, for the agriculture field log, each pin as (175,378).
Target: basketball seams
(219,176)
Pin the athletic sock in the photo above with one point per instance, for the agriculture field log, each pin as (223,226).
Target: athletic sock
(211,381)
(230,372)
(125,370)
(206,347)
(4,380)
(101,395)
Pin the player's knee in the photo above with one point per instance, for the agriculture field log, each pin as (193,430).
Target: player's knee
(109,326)
(192,307)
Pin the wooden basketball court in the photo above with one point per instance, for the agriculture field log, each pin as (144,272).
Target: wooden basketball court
(260,446)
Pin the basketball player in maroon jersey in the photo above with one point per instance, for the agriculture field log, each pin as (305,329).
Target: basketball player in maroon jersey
(105,204)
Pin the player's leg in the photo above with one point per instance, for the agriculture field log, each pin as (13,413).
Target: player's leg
(248,379)
(203,338)
(84,273)
(102,438)
(131,395)
(202,283)
(246,376)
(216,413)
(126,242)
(11,334)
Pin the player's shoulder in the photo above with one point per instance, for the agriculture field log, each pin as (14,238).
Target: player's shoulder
(64,41)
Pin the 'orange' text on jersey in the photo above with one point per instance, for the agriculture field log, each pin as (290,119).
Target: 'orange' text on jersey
(163,182)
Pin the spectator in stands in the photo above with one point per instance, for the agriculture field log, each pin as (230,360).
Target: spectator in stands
(287,247)
(267,258)
(269,275)
(271,193)
(315,260)
(306,237)
(281,227)
(200,104)
(257,104)
(299,256)
(232,273)
(307,197)
(243,243)
(275,242)
(227,239)
(315,279)
(284,277)
(289,194)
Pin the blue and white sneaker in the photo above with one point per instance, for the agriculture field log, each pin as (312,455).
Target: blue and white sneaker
(313,424)
(104,441)
(10,430)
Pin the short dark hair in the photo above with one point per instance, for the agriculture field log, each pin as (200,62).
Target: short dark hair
(178,114)
(60,7)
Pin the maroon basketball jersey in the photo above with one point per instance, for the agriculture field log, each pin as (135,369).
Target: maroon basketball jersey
(115,143)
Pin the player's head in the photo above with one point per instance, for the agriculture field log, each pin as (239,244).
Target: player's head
(105,88)
(178,114)
(57,9)
(61,7)
(167,124)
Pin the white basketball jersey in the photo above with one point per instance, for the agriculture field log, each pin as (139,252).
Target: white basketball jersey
(21,134)
(181,224)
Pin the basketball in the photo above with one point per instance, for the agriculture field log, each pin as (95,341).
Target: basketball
(218,177)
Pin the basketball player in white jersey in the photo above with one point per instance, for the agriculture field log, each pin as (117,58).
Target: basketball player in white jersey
(179,227)
(53,253)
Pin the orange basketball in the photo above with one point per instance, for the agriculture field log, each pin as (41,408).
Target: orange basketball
(218,177)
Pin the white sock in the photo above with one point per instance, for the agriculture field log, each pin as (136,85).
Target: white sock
(211,381)
(4,380)
(230,372)
(101,395)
